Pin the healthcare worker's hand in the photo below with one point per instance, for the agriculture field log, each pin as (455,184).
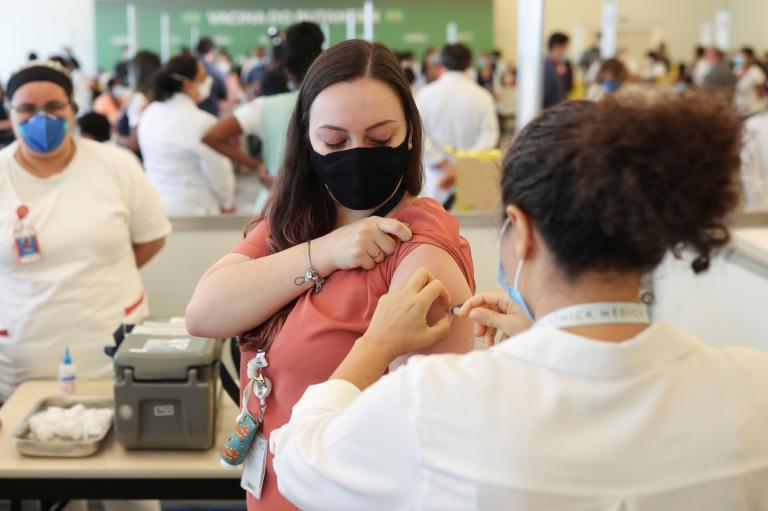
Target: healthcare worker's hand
(265,179)
(493,311)
(449,176)
(361,244)
(399,324)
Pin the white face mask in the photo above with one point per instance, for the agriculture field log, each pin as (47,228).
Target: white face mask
(224,68)
(204,89)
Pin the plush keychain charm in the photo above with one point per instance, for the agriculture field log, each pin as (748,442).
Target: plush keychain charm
(235,451)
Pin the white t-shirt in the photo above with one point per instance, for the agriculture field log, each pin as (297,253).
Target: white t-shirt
(87,217)
(746,99)
(248,116)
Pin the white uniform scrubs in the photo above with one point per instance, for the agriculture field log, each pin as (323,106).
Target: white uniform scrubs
(87,217)
(191,178)
(746,100)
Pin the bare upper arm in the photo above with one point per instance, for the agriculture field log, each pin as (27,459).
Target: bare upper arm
(223,130)
(444,268)
(147,250)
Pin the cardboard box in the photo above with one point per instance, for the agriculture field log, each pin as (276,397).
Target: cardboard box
(478,182)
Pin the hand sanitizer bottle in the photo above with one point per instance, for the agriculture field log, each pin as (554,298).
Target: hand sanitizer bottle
(67,374)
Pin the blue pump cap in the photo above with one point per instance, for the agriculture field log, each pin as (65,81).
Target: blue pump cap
(66,359)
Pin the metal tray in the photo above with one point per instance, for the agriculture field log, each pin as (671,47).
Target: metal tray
(59,448)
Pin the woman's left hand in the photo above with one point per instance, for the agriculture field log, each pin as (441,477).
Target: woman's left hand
(399,323)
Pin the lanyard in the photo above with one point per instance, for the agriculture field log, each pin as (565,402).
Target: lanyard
(599,313)
(258,384)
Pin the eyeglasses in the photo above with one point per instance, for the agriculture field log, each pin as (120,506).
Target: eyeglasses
(51,107)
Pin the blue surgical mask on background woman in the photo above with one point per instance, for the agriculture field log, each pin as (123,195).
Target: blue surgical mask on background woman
(611,85)
(43,132)
(501,278)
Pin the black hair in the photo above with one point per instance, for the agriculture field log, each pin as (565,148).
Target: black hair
(143,67)
(456,57)
(170,78)
(60,61)
(557,39)
(748,51)
(611,186)
(205,45)
(40,73)
(303,43)
(95,126)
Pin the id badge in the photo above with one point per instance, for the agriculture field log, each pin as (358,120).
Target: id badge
(25,239)
(255,467)
(27,246)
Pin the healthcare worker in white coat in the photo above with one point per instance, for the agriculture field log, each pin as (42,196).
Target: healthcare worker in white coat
(754,163)
(191,178)
(456,112)
(77,219)
(589,404)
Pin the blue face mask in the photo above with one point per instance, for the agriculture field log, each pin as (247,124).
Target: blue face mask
(611,85)
(503,282)
(43,132)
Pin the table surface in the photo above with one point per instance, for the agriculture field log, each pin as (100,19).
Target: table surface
(750,249)
(112,460)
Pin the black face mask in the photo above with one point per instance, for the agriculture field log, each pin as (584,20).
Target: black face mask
(363,177)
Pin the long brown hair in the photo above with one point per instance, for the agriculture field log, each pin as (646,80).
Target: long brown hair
(300,208)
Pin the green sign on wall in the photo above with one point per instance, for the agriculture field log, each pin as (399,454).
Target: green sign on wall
(239,25)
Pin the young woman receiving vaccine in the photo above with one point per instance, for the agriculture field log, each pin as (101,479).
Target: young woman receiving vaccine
(342,228)
(588,405)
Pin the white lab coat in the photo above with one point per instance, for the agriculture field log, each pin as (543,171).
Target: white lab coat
(191,178)
(754,163)
(544,421)
(456,112)
(746,98)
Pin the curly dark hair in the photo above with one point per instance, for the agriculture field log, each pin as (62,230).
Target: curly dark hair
(611,186)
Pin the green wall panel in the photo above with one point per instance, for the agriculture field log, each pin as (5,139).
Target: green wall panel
(240,24)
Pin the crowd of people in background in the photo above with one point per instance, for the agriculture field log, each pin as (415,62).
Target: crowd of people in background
(247,130)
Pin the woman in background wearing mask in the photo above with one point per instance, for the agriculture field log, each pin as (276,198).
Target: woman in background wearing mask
(610,78)
(750,86)
(110,103)
(235,94)
(485,74)
(191,178)
(431,67)
(343,227)
(78,219)
(591,407)
(141,73)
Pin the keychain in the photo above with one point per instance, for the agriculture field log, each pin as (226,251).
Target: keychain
(235,451)
(25,239)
